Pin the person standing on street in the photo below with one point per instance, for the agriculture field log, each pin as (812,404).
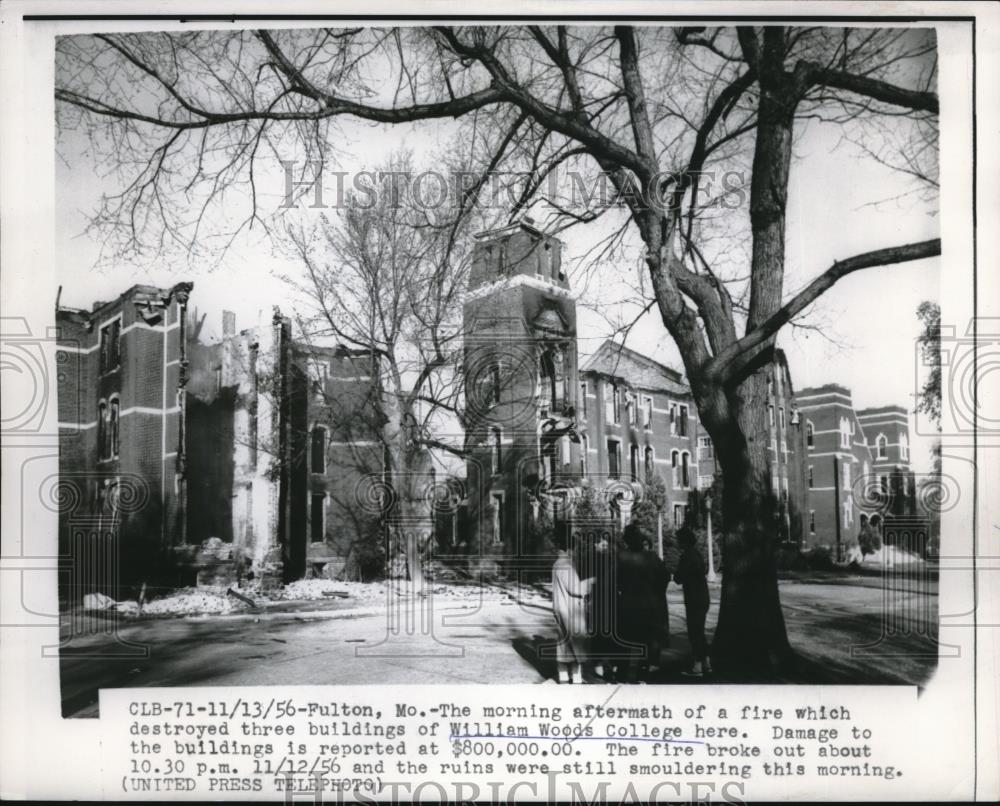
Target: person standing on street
(642,601)
(690,575)
(569,606)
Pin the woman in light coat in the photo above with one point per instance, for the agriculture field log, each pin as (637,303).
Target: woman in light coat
(569,606)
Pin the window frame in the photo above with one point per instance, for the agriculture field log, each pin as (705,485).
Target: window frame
(647,413)
(114,426)
(496,506)
(102,430)
(105,368)
(617,453)
(324,431)
(313,498)
(496,449)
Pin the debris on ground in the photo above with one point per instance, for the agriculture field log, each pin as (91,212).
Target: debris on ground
(892,556)
(375,592)
(245,599)
(191,601)
(97,601)
(220,600)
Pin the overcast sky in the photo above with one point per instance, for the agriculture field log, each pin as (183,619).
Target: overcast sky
(868,320)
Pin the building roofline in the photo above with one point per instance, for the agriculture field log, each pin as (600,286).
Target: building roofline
(612,345)
(880,410)
(139,288)
(825,389)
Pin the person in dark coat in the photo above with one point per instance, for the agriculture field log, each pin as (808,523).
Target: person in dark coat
(690,575)
(641,616)
(602,605)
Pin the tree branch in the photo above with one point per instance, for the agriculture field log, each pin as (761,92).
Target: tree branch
(728,363)
(871,88)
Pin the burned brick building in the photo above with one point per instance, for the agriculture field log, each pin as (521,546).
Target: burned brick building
(539,420)
(184,460)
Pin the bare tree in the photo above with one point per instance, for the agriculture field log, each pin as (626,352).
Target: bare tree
(647,109)
(387,278)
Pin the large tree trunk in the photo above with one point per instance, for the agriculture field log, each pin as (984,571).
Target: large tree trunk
(750,640)
(415,524)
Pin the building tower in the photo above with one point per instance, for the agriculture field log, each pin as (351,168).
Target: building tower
(521,384)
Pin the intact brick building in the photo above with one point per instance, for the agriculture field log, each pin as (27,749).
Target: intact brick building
(638,420)
(185,460)
(857,464)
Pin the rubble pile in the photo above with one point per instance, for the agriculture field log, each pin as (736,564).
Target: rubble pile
(192,601)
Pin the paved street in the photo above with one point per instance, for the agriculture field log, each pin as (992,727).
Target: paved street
(492,639)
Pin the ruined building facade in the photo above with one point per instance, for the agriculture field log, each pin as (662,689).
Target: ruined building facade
(185,460)
(190,461)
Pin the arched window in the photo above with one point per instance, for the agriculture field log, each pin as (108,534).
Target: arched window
(811,478)
(495,437)
(564,450)
(904,448)
(102,430)
(810,441)
(549,382)
(317,452)
(650,463)
(675,469)
(845,433)
(614,458)
(686,470)
(633,461)
(882,447)
(495,383)
(113,425)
